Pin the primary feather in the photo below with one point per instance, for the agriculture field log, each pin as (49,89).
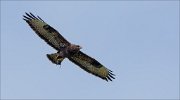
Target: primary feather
(92,66)
(46,32)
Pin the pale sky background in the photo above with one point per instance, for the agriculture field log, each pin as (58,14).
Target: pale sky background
(138,40)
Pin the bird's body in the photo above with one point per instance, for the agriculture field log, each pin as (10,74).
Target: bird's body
(65,52)
(65,49)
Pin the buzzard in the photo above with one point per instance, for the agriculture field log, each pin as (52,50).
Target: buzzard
(65,49)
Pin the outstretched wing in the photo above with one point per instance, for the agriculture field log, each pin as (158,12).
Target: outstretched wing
(46,32)
(92,66)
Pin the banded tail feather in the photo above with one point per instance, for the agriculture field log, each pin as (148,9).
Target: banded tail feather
(55,58)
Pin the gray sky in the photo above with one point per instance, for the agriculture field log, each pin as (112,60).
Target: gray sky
(137,40)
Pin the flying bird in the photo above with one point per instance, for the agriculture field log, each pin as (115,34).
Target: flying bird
(65,49)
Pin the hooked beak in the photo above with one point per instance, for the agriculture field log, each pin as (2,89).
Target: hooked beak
(80,47)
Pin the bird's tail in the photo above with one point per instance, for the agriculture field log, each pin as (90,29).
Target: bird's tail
(55,58)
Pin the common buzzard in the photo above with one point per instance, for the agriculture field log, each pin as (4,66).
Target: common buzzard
(65,49)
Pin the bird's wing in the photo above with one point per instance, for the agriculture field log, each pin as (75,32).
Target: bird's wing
(46,32)
(92,66)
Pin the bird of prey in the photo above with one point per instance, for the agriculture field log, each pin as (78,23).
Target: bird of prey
(65,49)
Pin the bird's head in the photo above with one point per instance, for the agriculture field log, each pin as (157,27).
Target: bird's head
(74,48)
(79,47)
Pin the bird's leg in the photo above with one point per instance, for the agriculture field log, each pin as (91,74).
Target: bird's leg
(59,66)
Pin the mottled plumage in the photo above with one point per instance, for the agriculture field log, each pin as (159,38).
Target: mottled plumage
(65,49)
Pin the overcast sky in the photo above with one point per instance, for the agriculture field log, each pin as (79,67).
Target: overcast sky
(137,40)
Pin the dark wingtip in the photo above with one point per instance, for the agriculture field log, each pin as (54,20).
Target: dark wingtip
(26,18)
(109,78)
(106,79)
(40,18)
(30,16)
(26,13)
(33,15)
(110,75)
(110,70)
